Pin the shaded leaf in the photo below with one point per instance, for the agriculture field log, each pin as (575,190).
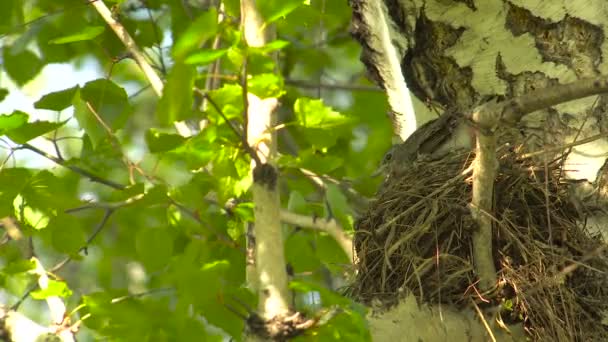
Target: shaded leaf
(58,100)
(22,67)
(154,247)
(109,101)
(176,103)
(272,10)
(338,204)
(67,234)
(162,142)
(12,182)
(3,94)
(203,28)
(31,130)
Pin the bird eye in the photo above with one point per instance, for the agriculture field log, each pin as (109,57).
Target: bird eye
(388,156)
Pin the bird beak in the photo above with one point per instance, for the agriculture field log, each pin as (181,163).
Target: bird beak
(381,170)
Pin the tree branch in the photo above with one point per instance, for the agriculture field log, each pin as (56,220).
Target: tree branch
(330,227)
(87,174)
(271,280)
(488,117)
(138,55)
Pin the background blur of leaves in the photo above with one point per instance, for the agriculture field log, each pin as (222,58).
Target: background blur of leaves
(171,254)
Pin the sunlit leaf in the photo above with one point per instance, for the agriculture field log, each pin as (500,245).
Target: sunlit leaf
(314,114)
(266,85)
(273,10)
(12,121)
(205,56)
(55,288)
(88,33)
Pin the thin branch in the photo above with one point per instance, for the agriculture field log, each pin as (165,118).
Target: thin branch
(98,229)
(513,110)
(568,146)
(330,227)
(138,55)
(87,174)
(242,136)
(125,37)
(346,87)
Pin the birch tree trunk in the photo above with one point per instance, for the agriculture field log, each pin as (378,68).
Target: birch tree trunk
(453,54)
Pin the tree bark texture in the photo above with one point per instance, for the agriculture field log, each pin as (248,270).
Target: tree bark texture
(453,54)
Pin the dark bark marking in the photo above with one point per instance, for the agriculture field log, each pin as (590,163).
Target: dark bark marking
(430,74)
(266,175)
(560,42)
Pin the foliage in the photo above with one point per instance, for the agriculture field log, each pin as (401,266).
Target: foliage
(151,221)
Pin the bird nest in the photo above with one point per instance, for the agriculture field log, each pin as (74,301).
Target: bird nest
(415,238)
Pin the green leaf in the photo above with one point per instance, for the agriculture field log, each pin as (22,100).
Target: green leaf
(230,100)
(22,67)
(202,29)
(300,253)
(176,103)
(19,266)
(88,33)
(297,202)
(58,100)
(109,101)
(31,130)
(274,45)
(55,288)
(197,151)
(162,142)
(12,121)
(338,204)
(154,247)
(266,85)
(155,196)
(3,94)
(67,233)
(205,56)
(312,113)
(12,182)
(272,10)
